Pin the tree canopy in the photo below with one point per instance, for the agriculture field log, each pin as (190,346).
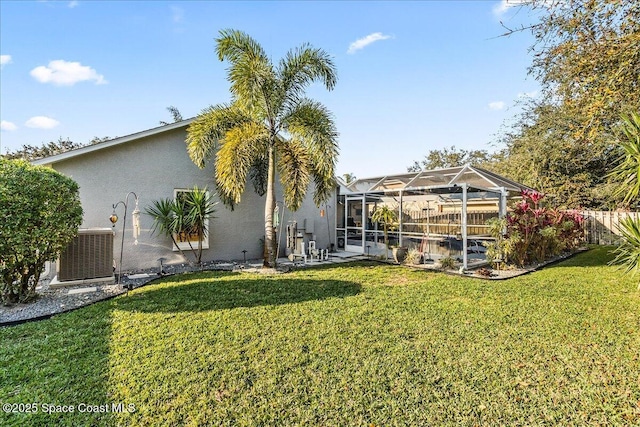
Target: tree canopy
(34,152)
(586,57)
(450,157)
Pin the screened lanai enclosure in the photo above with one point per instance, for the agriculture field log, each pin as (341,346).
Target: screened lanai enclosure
(440,213)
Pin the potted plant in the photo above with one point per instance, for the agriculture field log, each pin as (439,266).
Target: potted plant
(399,253)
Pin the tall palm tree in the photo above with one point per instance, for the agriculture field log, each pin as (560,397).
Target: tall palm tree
(268,128)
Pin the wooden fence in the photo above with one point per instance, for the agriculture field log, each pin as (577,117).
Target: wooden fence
(601,227)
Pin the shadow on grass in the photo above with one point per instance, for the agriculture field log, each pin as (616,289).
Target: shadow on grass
(59,361)
(213,293)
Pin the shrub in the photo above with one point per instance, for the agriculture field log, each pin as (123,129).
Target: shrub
(185,216)
(533,233)
(447,263)
(414,257)
(41,213)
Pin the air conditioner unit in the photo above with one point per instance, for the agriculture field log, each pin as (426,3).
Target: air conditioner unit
(88,256)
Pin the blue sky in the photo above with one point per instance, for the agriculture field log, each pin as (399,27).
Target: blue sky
(412,76)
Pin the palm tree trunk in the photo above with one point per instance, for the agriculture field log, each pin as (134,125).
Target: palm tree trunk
(269,206)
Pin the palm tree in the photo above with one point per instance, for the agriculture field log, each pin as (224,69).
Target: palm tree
(348,178)
(268,128)
(175,113)
(388,218)
(627,175)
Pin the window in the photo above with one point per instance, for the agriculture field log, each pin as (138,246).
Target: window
(184,239)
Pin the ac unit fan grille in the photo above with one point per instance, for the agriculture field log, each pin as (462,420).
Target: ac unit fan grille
(88,256)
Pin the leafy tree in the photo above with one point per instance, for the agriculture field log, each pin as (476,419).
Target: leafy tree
(32,152)
(175,114)
(450,157)
(586,58)
(269,127)
(186,216)
(543,152)
(41,213)
(389,218)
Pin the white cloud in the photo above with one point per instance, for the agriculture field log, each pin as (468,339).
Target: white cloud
(63,73)
(500,8)
(496,105)
(73,4)
(177,14)
(365,41)
(4,60)
(42,122)
(5,125)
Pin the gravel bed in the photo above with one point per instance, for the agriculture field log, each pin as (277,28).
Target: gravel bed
(52,301)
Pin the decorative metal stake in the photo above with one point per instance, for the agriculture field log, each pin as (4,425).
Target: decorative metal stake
(136,226)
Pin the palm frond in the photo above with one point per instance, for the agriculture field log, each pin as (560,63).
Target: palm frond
(234,45)
(242,145)
(162,212)
(627,173)
(251,73)
(628,252)
(302,66)
(294,168)
(206,131)
(259,172)
(200,206)
(313,125)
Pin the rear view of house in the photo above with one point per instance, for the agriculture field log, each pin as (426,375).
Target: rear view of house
(154,165)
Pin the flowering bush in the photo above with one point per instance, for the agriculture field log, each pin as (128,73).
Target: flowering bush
(533,233)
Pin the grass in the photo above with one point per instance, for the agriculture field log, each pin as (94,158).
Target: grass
(364,344)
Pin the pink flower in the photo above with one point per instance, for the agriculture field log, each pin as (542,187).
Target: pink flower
(522,207)
(532,195)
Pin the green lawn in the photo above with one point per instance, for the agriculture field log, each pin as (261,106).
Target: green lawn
(362,344)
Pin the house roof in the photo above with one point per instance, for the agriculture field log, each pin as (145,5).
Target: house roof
(112,142)
(475,177)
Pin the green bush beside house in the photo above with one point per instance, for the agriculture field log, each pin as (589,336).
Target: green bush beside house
(41,212)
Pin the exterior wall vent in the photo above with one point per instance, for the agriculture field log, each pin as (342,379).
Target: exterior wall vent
(88,256)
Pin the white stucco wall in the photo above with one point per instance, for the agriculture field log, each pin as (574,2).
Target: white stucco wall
(152,167)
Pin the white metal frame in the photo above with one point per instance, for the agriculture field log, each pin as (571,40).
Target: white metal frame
(497,186)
